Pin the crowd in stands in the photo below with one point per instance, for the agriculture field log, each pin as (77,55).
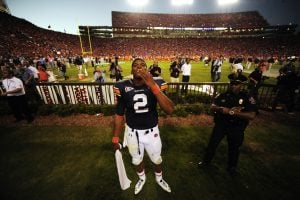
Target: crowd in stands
(250,19)
(24,45)
(21,38)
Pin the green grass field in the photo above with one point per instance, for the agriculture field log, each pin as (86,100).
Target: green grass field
(77,162)
(200,72)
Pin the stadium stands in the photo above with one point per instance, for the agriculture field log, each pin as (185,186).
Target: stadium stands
(19,37)
(251,19)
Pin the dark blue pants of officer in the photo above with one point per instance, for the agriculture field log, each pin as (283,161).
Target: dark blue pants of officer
(235,137)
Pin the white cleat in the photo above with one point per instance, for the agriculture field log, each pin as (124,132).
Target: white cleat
(139,186)
(164,185)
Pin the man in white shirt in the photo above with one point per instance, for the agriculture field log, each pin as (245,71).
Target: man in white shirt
(217,69)
(15,92)
(186,74)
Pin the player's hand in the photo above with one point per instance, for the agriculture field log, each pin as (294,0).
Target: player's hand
(147,77)
(117,146)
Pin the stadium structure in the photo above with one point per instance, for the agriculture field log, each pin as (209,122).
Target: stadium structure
(154,35)
(154,25)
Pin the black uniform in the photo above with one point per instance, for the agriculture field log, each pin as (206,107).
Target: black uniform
(138,103)
(286,86)
(231,126)
(253,87)
(155,70)
(174,69)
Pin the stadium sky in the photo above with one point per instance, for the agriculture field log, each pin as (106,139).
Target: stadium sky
(66,15)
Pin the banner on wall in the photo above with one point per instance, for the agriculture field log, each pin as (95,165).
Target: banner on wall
(76,94)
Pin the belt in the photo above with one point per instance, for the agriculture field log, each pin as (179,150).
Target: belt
(137,135)
(146,131)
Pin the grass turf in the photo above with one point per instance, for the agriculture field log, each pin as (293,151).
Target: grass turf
(67,162)
(200,72)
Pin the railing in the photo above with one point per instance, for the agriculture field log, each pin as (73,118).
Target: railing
(102,94)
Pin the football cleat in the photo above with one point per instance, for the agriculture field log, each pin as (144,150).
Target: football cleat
(164,185)
(139,186)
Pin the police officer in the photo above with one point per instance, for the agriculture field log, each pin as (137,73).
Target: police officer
(232,111)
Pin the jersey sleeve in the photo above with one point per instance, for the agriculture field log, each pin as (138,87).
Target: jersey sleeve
(163,86)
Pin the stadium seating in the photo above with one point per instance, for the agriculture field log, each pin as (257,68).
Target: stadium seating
(21,38)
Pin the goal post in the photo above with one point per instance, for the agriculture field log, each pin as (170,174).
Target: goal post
(85,50)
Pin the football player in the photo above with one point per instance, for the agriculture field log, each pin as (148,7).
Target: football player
(137,106)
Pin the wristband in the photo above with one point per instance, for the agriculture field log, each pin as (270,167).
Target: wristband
(119,116)
(155,89)
(115,139)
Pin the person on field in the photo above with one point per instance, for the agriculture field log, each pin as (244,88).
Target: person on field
(137,107)
(232,111)
(15,92)
(154,69)
(186,69)
(256,79)
(174,72)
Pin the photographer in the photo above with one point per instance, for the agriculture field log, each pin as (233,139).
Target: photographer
(256,79)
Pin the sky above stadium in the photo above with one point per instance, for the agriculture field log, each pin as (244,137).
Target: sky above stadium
(66,15)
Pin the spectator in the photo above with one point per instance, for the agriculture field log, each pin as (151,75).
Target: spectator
(33,69)
(119,75)
(63,70)
(27,76)
(115,72)
(99,76)
(15,92)
(86,61)
(43,75)
(186,74)
(174,72)
(217,64)
(256,78)
(237,65)
(154,69)
(78,62)
(213,70)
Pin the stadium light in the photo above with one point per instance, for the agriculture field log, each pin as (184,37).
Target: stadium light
(182,2)
(138,2)
(226,2)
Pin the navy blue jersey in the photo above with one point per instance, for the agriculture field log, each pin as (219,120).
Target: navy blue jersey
(138,103)
(230,100)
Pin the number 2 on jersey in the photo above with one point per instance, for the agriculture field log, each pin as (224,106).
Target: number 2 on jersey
(140,104)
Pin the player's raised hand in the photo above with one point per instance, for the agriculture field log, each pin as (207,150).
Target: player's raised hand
(147,77)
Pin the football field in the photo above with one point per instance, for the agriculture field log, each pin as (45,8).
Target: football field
(200,72)
(77,162)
